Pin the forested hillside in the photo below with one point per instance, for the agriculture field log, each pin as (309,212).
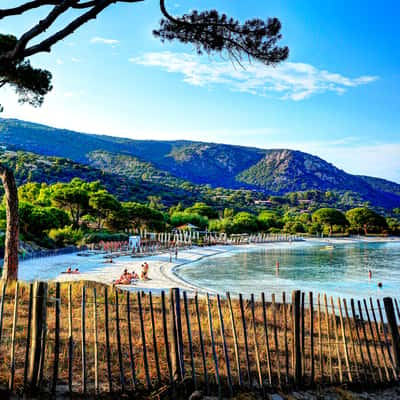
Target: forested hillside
(184,168)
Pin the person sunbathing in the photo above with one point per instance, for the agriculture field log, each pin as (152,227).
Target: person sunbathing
(134,276)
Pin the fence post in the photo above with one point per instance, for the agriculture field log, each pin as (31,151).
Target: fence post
(176,327)
(296,337)
(39,314)
(391,317)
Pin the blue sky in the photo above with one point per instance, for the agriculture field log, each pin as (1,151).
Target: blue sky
(336,97)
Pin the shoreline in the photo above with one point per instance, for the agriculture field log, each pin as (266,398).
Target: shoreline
(164,274)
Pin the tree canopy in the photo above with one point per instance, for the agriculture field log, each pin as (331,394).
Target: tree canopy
(366,220)
(330,217)
(210,31)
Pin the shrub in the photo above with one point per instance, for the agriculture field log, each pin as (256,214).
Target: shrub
(105,237)
(66,236)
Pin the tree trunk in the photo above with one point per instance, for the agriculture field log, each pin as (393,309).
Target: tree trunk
(10,266)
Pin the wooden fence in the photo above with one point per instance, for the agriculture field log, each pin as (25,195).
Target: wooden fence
(95,339)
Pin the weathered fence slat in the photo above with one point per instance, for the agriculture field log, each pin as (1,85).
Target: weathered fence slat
(119,347)
(335,330)
(95,343)
(285,336)
(83,339)
(203,353)
(310,297)
(56,337)
(253,320)
(321,366)
(225,347)
(28,336)
(130,341)
(213,349)
(246,344)
(269,367)
(373,340)
(107,332)
(344,338)
(381,345)
(70,339)
(356,324)
(3,298)
(362,323)
(14,328)
(328,333)
(166,341)
(297,364)
(276,341)
(352,342)
(395,375)
(190,340)
(303,336)
(394,331)
(144,347)
(235,339)
(154,334)
(175,352)
(38,341)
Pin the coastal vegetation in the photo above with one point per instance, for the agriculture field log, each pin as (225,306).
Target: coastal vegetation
(80,212)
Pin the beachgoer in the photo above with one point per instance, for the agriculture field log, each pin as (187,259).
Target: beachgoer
(69,270)
(370,274)
(76,271)
(176,253)
(134,276)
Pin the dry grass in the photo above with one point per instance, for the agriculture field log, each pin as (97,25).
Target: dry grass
(372,369)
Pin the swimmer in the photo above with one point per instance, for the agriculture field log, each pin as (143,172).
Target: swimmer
(380,285)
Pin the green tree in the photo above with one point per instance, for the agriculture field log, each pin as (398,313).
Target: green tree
(103,203)
(75,199)
(203,209)
(329,217)
(180,218)
(137,216)
(244,222)
(365,220)
(268,220)
(36,220)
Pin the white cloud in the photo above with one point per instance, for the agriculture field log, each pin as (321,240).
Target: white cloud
(295,81)
(101,40)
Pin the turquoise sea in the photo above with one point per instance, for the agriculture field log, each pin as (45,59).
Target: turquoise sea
(338,271)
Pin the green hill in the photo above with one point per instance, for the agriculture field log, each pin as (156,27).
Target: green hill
(182,165)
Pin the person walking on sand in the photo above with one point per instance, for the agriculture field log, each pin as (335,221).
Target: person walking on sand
(176,252)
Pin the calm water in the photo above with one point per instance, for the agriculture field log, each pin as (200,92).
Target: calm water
(341,271)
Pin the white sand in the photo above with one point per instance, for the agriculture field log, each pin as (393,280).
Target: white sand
(161,271)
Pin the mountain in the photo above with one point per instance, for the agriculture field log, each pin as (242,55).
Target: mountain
(30,167)
(178,163)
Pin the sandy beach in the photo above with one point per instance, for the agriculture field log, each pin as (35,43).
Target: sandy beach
(161,271)
(162,274)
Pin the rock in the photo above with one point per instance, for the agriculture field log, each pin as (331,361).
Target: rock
(276,396)
(196,395)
